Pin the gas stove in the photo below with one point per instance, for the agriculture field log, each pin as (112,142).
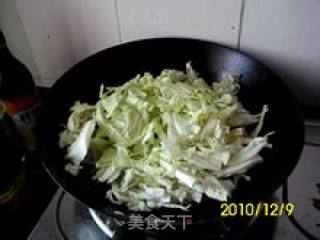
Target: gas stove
(65,218)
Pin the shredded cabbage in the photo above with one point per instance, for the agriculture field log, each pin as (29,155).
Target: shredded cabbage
(164,141)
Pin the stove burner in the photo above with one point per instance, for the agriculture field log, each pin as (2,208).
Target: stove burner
(216,229)
(74,222)
(57,217)
(104,226)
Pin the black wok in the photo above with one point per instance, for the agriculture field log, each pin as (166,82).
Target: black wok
(116,65)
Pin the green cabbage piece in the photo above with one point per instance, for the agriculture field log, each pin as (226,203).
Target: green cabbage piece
(165,141)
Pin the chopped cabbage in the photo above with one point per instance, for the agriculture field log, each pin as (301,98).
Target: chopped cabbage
(165,141)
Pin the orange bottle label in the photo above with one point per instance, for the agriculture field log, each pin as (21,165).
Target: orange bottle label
(24,110)
(15,105)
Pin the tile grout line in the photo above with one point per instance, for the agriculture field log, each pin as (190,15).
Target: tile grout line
(118,20)
(240,24)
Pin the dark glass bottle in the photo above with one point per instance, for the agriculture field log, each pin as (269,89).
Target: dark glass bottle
(25,187)
(16,193)
(12,172)
(19,94)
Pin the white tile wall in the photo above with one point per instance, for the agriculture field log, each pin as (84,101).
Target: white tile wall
(215,20)
(53,35)
(61,33)
(285,34)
